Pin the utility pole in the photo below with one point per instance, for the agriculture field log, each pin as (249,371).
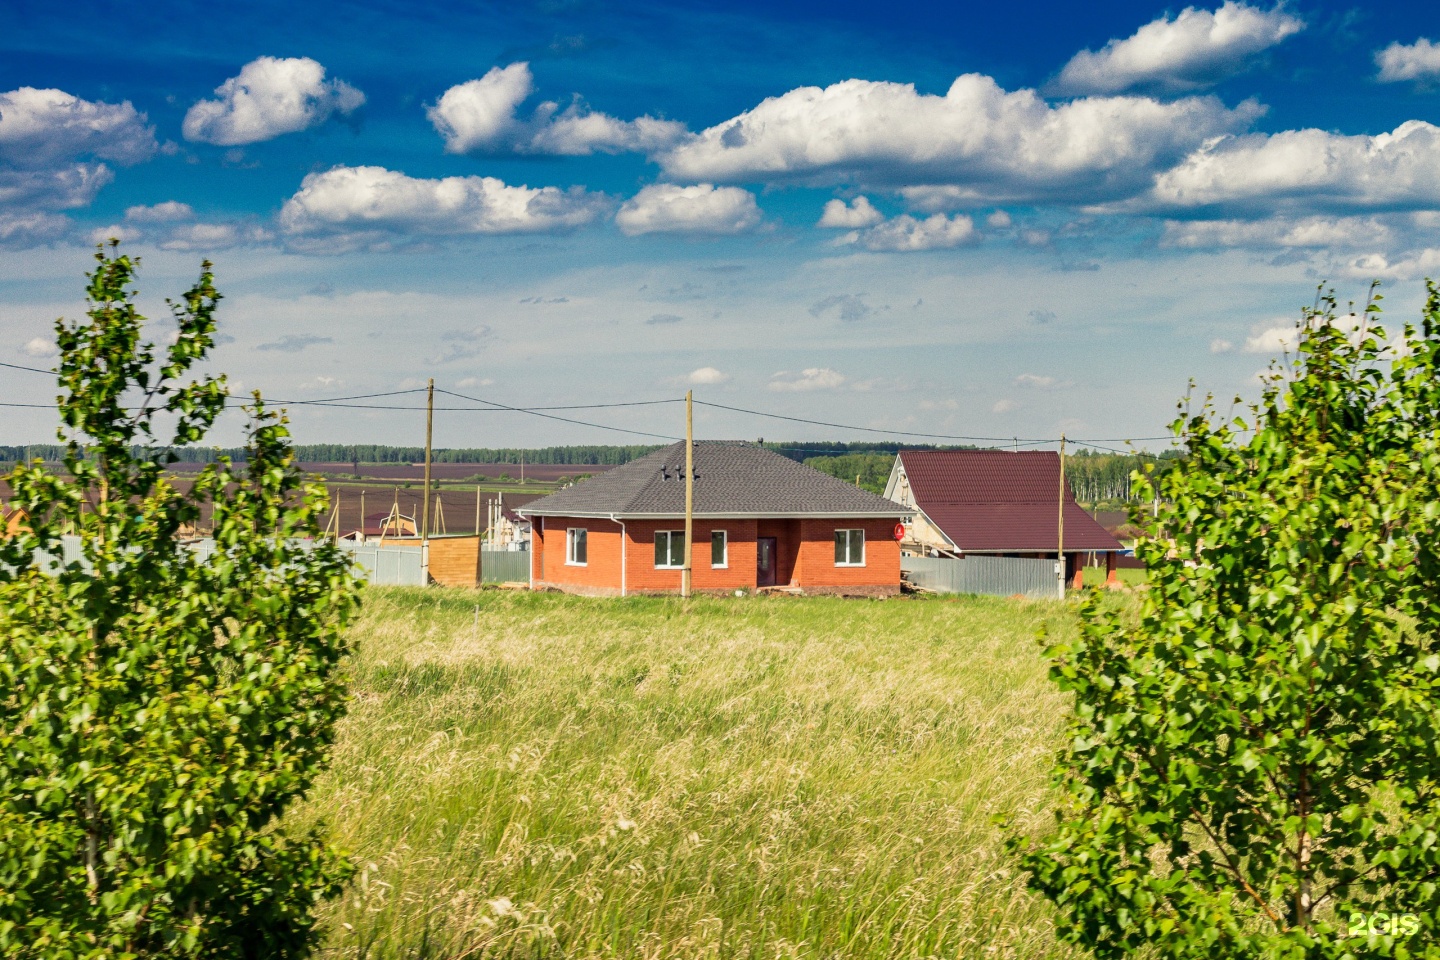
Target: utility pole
(1060,533)
(689,490)
(425,497)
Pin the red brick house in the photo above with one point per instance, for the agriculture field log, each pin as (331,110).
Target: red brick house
(994,502)
(760,520)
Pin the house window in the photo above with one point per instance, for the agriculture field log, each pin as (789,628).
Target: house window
(719,549)
(669,549)
(576,554)
(849,548)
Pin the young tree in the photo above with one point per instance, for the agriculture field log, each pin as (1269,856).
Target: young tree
(1253,764)
(159,711)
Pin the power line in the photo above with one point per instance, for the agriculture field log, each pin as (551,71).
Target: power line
(16,366)
(491,406)
(551,416)
(846,426)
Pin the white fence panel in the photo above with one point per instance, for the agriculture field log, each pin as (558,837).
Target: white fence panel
(390,566)
(380,564)
(999,576)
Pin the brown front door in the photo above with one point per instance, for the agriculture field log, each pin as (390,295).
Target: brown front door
(765,562)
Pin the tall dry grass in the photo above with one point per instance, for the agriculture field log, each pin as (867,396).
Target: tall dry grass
(533,775)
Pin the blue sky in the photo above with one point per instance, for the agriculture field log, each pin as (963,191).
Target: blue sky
(999,220)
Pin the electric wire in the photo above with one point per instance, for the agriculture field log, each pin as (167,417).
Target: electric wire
(492,406)
(846,426)
(551,416)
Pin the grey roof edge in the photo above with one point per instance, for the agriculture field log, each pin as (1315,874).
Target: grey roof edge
(899,511)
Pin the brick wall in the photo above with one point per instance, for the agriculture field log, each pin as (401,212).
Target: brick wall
(600,576)
(805,556)
(816,572)
(739,572)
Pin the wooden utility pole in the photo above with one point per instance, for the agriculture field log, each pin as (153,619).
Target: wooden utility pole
(1060,533)
(425,497)
(689,490)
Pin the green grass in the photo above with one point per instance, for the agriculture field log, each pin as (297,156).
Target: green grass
(762,777)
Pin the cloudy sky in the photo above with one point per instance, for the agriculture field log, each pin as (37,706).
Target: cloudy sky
(998,220)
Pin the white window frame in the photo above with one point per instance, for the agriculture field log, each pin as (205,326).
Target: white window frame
(850,534)
(571,540)
(724,563)
(670,536)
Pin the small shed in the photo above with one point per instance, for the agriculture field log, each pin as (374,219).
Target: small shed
(13,523)
(760,521)
(996,503)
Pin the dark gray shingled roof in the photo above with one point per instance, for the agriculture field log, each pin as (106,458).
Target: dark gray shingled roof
(731,480)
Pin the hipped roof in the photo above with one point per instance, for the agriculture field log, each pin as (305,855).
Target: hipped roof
(731,480)
(997,501)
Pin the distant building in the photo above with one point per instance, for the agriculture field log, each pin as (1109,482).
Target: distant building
(388,523)
(505,529)
(13,523)
(760,521)
(993,502)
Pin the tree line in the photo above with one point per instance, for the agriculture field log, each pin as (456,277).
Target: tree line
(569,455)
(1096,476)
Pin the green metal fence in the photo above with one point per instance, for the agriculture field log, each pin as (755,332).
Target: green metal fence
(504,566)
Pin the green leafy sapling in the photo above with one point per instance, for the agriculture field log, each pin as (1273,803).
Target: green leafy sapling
(160,711)
(1254,756)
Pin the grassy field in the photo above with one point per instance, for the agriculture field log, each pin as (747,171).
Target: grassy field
(534,775)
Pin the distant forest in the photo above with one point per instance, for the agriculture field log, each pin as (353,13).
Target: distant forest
(578,455)
(1095,477)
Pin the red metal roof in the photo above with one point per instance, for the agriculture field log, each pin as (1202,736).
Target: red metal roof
(995,500)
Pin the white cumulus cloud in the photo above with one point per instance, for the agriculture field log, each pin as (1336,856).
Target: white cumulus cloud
(1196,49)
(703,208)
(482,116)
(30,227)
(205,237)
(989,145)
(1415,61)
(52,151)
(904,234)
(1290,232)
(706,376)
(1273,339)
(40,347)
(1406,266)
(1306,169)
(858,213)
(1036,381)
(43,128)
(160,212)
(63,188)
(116,232)
(271,96)
(350,207)
(811,378)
